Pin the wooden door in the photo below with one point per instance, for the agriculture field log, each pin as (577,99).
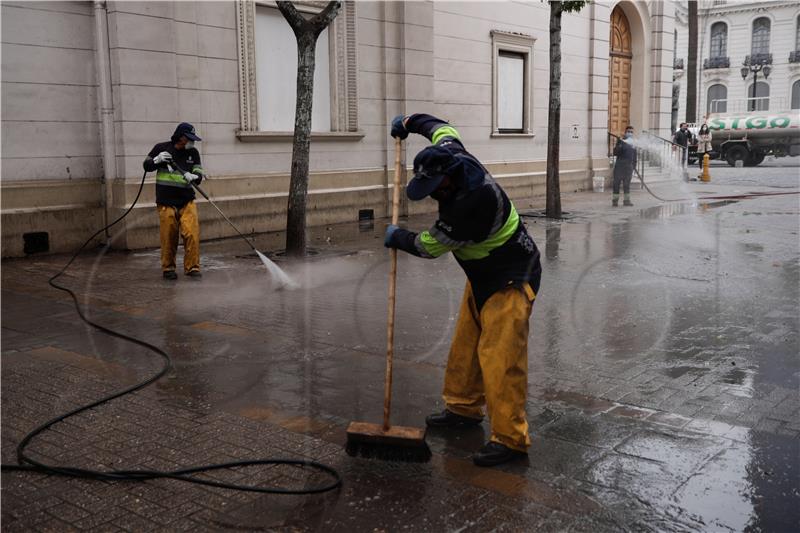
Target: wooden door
(619,75)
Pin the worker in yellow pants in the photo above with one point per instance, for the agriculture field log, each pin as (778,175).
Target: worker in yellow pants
(488,363)
(479,225)
(178,170)
(181,221)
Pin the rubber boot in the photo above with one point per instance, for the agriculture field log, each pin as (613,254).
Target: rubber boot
(614,200)
(627,200)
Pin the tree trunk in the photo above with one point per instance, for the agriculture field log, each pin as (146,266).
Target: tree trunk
(306,31)
(691,65)
(298,186)
(553,209)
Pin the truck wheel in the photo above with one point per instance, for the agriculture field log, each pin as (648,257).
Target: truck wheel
(737,153)
(755,159)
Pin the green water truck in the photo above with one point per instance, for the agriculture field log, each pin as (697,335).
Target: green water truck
(751,136)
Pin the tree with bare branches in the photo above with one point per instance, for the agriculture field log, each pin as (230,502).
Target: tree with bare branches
(306,30)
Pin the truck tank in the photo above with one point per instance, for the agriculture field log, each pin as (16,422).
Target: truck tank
(750,136)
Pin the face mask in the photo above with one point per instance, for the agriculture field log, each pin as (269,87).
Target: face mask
(627,135)
(443,194)
(189,144)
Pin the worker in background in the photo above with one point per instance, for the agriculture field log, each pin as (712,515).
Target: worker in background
(624,165)
(488,360)
(177,166)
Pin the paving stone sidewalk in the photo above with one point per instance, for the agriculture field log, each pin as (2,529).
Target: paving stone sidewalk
(686,420)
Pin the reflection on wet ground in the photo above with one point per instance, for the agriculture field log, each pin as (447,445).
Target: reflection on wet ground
(663,364)
(681,208)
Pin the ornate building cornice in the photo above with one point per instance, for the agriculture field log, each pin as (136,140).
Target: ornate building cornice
(682,13)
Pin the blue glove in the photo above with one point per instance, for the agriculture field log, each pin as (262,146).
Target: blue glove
(387,240)
(399,130)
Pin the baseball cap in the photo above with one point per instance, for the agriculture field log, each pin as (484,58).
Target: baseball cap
(431,165)
(185,129)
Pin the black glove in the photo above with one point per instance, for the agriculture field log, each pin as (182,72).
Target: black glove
(387,239)
(399,130)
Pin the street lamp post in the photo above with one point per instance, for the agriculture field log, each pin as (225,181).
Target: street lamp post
(755,68)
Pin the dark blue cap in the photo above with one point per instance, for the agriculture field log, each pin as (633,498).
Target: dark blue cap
(430,167)
(185,129)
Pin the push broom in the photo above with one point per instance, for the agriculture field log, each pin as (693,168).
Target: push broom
(384,441)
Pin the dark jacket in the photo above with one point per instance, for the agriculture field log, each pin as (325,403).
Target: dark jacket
(683,138)
(626,155)
(479,224)
(171,188)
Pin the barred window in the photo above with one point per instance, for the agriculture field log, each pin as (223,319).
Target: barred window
(719,39)
(761,31)
(758,97)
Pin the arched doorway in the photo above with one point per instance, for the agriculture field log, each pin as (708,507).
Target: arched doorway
(619,73)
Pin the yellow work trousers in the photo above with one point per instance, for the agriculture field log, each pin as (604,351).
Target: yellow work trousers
(488,363)
(183,221)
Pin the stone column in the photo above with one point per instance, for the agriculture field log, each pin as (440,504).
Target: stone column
(663,23)
(597,112)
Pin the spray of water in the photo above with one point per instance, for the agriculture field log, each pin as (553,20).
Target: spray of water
(664,157)
(659,154)
(281,278)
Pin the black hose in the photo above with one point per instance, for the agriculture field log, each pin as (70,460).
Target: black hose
(26,463)
(744,196)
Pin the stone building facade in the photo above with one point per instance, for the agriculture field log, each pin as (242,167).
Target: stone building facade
(730,34)
(89,87)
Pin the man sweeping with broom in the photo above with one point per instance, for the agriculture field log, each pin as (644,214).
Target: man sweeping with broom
(488,360)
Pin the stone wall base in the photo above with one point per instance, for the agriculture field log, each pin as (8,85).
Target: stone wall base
(71,210)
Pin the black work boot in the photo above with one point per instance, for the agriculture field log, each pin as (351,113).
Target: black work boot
(194,274)
(493,453)
(170,275)
(449,419)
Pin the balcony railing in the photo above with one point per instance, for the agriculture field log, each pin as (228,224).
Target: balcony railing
(758,59)
(794,56)
(678,64)
(717,62)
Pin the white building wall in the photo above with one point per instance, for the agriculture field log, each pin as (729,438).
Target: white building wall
(179,61)
(50,123)
(463,75)
(739,17)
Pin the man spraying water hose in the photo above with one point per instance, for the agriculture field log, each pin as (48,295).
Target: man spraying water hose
(623,167)
(177,212)
(488,361)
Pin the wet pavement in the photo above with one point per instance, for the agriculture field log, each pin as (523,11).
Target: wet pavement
(664,377)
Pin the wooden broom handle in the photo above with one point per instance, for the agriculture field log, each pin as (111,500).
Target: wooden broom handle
(387,396)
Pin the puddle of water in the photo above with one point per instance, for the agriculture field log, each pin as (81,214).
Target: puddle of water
(736,376)
(672,209)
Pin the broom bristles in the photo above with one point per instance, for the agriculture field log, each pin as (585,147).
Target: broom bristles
(398,443)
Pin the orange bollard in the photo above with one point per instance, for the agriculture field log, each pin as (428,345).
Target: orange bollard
(705,176)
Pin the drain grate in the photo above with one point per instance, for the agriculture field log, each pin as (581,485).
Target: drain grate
(540,213)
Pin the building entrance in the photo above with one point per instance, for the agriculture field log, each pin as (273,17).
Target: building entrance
(619,79)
